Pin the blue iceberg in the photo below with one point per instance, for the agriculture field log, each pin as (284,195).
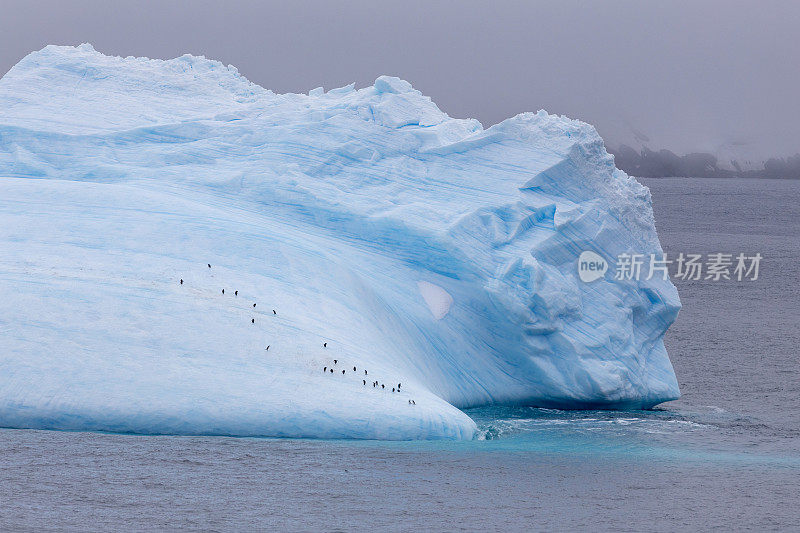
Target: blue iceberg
(425,253)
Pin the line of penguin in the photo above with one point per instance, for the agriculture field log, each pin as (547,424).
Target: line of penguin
(375,384)
(325,369)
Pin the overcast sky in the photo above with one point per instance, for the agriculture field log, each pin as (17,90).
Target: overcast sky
(689,75)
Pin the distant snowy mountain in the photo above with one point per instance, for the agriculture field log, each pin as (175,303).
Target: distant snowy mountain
(363,231)
(729,154)
(665,163)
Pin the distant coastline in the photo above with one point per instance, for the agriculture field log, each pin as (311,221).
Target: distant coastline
(649,163)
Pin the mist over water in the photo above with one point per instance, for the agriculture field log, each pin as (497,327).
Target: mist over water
(649,163)
(726,455)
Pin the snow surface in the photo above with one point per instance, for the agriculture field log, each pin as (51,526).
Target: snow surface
(427,250)
(439,300)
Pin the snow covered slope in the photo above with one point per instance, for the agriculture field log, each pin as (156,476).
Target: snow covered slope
(423,249)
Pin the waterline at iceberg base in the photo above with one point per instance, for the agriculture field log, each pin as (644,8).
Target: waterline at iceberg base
(423,252)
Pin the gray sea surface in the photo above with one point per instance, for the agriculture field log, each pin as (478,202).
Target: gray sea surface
(726,456)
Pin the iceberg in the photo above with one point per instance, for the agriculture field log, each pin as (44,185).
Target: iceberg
(432,264)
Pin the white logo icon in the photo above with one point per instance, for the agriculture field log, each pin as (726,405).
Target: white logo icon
(591,266)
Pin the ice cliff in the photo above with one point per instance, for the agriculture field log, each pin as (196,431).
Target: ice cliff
(426,250)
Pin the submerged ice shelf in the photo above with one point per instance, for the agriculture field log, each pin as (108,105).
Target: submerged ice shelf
(426,249)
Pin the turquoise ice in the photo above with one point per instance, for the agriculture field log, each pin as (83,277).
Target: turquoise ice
(424,249)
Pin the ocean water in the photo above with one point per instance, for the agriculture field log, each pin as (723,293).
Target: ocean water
(725,456)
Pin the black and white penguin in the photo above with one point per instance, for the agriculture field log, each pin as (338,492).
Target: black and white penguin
(324,344)
(268,345)
(342,371)
(236,293)
(274,312)
(364,381)
(253,320)
(209,265)
(181,282)
(324,368)
(223,291)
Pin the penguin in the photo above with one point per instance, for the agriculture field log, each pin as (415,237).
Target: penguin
(223,291)
(364,381)
(324,368)
(181,281)
(324,344)
(209,265)
(268,345)
(374,385)
(236,293)
(354,369)
(392,389)
(274,312)
(335,361)
(409,402)
(342,371)
(253,320)
(365,372)
(254,305)
(398,386)
(331,371)
(383,386)
(413,402)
